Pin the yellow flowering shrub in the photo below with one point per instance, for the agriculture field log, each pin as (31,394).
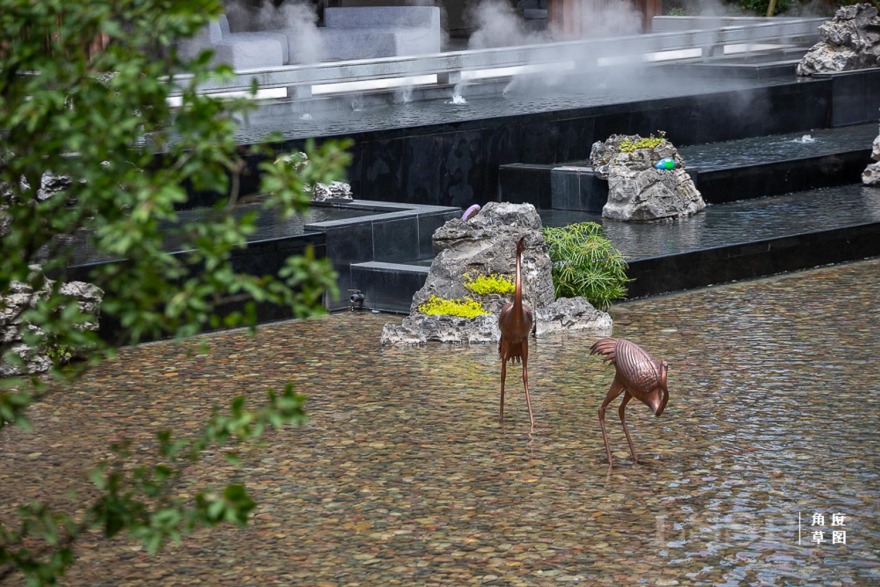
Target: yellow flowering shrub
(488,284)
(465,308)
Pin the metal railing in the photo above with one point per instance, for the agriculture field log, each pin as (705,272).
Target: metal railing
(449,67)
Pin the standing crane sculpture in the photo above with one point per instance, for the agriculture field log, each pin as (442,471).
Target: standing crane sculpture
(637,375)
(515,322)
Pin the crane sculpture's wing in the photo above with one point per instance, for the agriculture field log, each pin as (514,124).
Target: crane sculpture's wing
(607,347)
(634,366)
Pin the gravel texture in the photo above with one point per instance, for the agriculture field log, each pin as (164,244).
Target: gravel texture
(403,475)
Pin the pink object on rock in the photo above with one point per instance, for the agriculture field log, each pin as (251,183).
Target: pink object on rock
(470,211)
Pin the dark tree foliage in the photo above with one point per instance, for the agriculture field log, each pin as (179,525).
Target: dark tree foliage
(84,90)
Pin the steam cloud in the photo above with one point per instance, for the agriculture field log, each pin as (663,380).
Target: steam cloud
(497,24)
(297,17)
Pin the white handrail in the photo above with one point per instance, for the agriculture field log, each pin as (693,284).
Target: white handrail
(450,66)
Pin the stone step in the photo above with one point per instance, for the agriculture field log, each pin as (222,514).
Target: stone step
(395,236)
(723,171)
(743,239)
(725,242)
(347,233)
(779,164)
(752,65)
(388,287)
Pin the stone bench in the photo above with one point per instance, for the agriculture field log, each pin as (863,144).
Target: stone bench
(380,31)
(238,50)
(349,33)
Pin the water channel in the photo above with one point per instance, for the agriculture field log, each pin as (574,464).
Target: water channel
(403,475)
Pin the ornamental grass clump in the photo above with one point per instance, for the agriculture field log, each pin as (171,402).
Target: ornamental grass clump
(482,285)
(585,263)
(464,308)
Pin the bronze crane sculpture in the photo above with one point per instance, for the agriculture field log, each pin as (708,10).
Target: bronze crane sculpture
(636,374)
(515,322)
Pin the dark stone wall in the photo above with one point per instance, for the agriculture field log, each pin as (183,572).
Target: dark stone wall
(458,165)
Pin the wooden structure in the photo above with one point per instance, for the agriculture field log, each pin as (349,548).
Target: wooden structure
(568,15)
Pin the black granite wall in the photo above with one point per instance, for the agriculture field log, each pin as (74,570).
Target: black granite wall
(263,257)
(458,164)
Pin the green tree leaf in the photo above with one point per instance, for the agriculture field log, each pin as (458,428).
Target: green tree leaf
(84,90)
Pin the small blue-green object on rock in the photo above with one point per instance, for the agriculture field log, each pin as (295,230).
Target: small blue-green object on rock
(665,164)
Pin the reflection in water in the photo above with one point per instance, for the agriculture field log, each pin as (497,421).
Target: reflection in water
(736,222)
(871,203)
(403,475)
(268,225)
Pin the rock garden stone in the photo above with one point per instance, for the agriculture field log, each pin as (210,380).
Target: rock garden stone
(12,328)
(871,175)
(484,244)
(20,296)
(335,190)
(569,315)
(320,192)
(850,40)
(420,328)
(637,189)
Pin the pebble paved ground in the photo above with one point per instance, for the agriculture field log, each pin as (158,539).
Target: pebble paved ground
(404,477)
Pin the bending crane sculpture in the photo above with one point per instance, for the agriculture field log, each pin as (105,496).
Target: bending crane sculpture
(636,374)
(515,322)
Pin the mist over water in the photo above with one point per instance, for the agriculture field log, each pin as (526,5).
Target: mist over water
(497,24)
(805,140)
(357,103)
(405,94)
(528,95)
(297,17)
(603,74)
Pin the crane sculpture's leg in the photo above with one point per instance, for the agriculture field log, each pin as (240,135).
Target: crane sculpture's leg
(626,397)
(503,376)
(525,365)
(613,392)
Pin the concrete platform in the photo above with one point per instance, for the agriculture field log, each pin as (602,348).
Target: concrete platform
(725,242)
(346,232)
(744,239)
(727,115)
(723,171)
(778,203)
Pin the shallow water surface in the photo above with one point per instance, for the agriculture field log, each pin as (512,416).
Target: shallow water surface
(403,475)
(737,222)
(524,95)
